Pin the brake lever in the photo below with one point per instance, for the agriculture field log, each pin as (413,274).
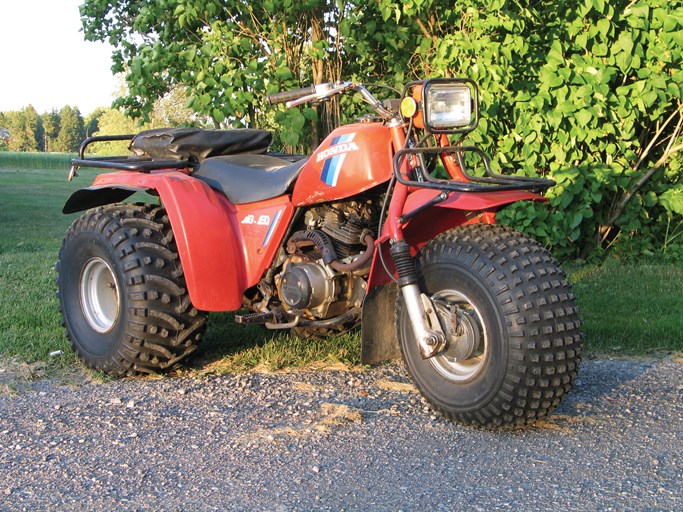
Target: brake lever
(302,100)
(326,93)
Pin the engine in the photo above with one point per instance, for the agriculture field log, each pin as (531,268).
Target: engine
(324,273)
(307,285)
(344,223)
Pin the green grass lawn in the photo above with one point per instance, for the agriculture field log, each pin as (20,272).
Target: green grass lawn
(627,309)
(31,229)
(630,308)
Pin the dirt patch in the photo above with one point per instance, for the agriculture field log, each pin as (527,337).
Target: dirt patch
(567,424)
(17,376)
(399,387)
(337,415)
(305,387)
(331,417)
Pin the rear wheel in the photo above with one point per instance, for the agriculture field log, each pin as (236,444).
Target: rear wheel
(122,293)
(512,327)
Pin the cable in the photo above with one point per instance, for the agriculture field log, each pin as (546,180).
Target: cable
(392,184)
(385,86)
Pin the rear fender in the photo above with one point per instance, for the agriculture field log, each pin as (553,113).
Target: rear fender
(459,209)
(204,224)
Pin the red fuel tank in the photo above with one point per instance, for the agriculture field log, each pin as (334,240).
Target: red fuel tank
(352,159)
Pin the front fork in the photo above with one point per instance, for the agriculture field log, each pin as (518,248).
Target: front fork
(422,313)
(423,317)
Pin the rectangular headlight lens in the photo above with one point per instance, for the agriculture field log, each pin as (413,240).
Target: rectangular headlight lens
(448,106)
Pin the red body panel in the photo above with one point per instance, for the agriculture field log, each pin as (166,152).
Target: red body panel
(352,159)
(460,208)
(225,249)
(262,226)
(207,233)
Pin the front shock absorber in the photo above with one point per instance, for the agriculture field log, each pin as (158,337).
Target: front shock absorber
(421,311)
(404,263)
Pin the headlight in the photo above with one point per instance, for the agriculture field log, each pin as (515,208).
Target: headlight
(447,106)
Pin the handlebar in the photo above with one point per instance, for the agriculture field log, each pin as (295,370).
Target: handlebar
(320,92)
(285,96)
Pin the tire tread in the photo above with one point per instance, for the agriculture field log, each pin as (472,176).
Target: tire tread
(541,317)
(162,325)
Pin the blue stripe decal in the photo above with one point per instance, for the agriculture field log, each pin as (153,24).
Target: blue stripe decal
(331,169)
(343,138)
(326,171)
(271,229)
(337,166)
(332,166)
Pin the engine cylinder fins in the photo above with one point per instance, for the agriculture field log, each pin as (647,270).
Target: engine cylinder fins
(345,224)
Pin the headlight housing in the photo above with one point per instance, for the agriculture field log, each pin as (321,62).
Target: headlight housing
(450,105)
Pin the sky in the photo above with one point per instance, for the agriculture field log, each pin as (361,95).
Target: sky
(45,62)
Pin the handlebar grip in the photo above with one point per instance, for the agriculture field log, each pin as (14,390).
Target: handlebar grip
(285,96)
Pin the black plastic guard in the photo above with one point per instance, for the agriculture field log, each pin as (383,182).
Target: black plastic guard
(87,198)
(378,329)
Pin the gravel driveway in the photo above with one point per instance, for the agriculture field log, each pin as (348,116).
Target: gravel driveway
(338,440)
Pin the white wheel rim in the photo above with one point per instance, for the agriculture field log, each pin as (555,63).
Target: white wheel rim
(99,294)
(471,329)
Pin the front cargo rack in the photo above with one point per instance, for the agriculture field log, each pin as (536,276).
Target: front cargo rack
(490,182)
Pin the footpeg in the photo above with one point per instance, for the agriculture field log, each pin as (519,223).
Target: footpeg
(255,318)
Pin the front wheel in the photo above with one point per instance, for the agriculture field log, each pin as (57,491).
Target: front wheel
(122,293)
(512,326)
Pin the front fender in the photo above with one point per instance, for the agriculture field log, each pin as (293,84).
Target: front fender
(460,208)
(204,226)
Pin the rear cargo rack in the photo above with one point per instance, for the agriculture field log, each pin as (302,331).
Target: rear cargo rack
(124,163)
(142,163)
(130,163)
(490,182)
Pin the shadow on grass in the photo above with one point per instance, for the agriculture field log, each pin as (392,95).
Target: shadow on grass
(231,348)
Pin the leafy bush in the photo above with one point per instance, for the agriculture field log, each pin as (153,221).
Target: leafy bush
(588,93)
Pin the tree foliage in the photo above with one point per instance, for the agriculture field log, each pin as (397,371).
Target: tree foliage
(228,54)
(91,123)
(25,129)
(71,130)
(114,122)
(588,92)
(51,131)
(50,122)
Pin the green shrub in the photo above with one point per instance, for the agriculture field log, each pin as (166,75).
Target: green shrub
(589,93)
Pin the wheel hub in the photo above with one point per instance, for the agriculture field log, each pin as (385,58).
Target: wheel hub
(99,295)
(467,341)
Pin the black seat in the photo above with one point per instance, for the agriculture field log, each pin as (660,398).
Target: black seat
(249,178)
(198,144)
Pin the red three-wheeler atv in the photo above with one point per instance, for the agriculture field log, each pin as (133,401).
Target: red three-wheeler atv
(390,224)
